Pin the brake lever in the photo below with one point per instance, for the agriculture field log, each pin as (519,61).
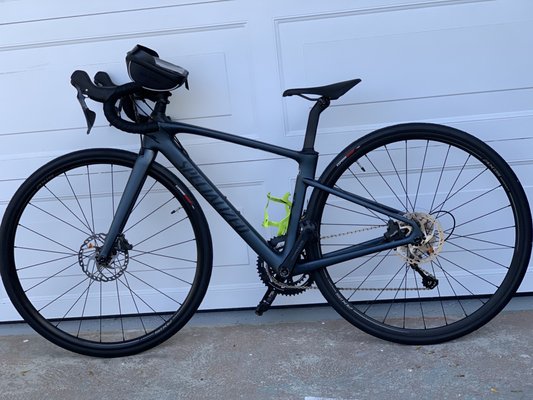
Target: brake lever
(90,116)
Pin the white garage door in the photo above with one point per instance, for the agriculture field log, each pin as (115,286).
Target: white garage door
(467,63)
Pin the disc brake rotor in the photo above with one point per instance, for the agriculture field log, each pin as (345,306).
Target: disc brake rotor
(88,260)
(432,241)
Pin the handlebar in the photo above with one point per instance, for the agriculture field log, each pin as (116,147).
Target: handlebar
(104,91)
(114,118)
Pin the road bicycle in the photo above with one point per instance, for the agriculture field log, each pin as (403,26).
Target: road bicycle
(415,233)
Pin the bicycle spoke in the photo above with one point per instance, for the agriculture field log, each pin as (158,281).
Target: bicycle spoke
(470,272)
(68,208)
(404,187)
(135,304)
(477,254)
(420,176)
(112,192)
(90,197)
(380,292)
(407,200)
(439,294)
(135,257)
(86,291)
(165,247)
(448,275)
(419,303)
(161,231)
(148,215)
(356,268)
(371,272)
(490,213)
(355,212)
(62,294)
(474,199)
(459,190)
(402,267)
(154,288)
(47,238)
(120,311)
(88,225)
(83,309)
(487,231)
(367,191)
(455,182)
(44,262)
(139,202)
(60,219)
(454,236)
(440,177)
(386,183)
(163,272)
(50,277)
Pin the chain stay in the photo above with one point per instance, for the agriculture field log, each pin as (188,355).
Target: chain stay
(314,287)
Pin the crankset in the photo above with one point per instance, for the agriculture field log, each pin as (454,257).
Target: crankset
(288,286)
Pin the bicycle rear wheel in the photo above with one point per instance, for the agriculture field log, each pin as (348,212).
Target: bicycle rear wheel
(52,229)
(469,204)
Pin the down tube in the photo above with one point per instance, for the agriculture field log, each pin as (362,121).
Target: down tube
(218,201)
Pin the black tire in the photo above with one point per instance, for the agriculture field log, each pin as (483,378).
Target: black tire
(49,234)
(469,200)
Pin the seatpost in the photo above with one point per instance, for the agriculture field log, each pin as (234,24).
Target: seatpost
(312,123)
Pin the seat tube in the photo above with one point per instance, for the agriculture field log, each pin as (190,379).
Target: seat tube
(129,197)
(312,123)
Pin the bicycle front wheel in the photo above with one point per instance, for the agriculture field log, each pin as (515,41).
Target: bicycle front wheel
(155,281)
(476,224)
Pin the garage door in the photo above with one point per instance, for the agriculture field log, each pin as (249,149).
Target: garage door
(466,63)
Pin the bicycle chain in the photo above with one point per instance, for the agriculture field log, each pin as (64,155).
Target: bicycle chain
(285,286)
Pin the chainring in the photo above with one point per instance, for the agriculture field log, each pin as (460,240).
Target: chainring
(290,286)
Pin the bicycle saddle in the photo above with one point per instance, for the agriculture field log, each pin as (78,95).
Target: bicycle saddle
(332,92)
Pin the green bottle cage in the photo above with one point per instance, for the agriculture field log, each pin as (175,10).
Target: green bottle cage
(284,223)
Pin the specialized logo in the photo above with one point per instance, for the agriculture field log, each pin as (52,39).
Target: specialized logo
(226,210)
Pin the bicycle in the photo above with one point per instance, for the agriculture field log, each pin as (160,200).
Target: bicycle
(415,233)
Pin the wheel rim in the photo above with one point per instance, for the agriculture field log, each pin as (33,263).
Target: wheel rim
(141,293)
(476,259)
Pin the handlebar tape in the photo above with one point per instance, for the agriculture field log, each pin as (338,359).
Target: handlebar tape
(114,118)
(128,105)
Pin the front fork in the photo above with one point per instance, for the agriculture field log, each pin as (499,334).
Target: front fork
(127,202)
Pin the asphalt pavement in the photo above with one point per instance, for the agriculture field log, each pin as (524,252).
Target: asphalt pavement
(299,353)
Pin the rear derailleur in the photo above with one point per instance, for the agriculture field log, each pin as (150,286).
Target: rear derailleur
(423,250)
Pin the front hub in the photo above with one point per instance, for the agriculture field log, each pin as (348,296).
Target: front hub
(103,271)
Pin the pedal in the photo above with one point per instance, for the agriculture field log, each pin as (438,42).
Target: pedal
(266,302)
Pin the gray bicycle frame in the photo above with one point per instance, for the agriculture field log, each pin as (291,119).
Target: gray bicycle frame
(166,142)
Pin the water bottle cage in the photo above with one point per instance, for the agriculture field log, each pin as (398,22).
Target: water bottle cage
(283,224)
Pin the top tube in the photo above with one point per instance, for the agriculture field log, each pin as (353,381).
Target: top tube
(180,127)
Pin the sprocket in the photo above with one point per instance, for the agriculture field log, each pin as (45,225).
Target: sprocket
(290,286)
